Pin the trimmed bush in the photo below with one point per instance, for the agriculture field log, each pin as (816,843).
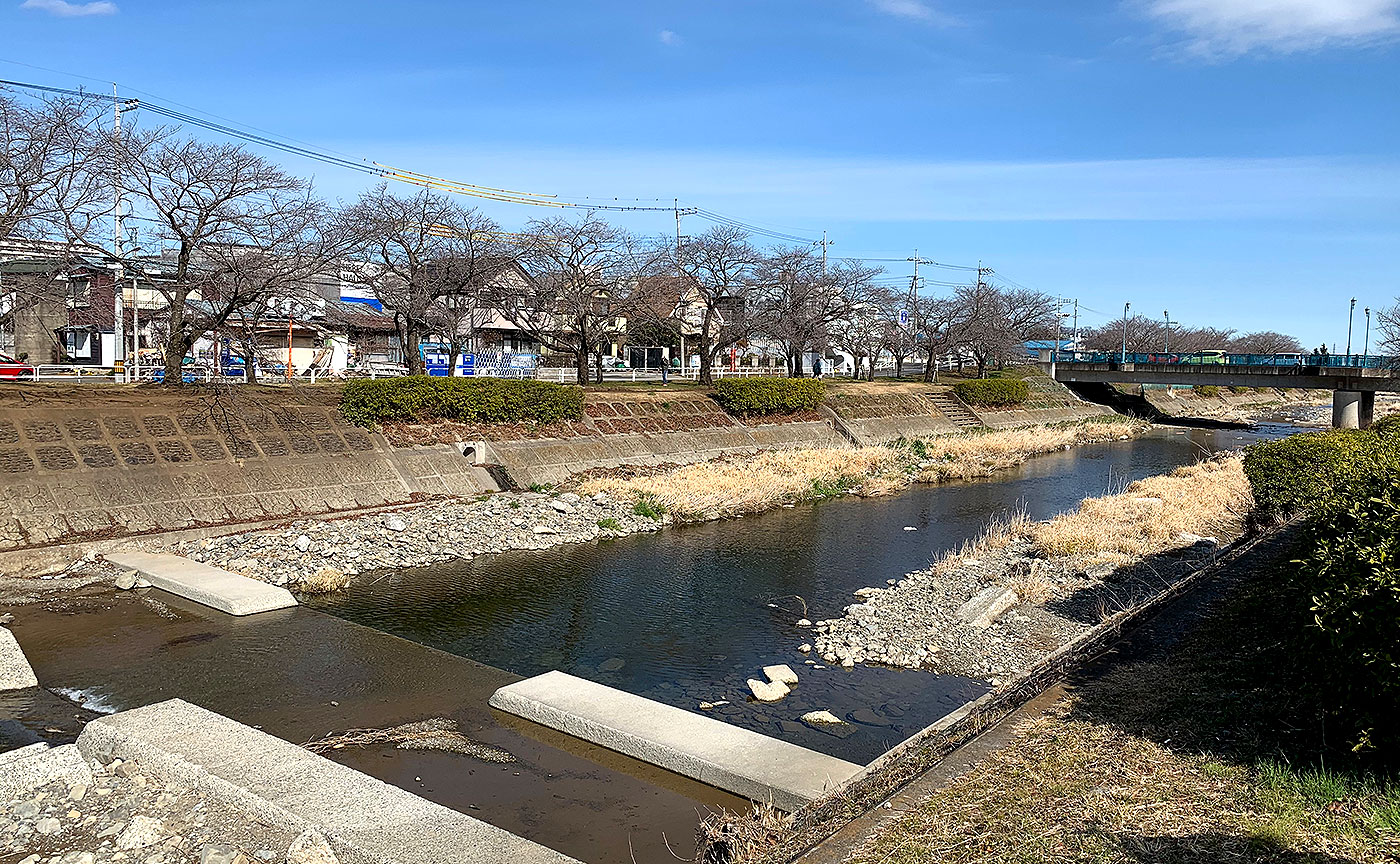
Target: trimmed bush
(754,396)
(419,398)
(1351,573)
(993,392)
(1295,473)
(1208,390)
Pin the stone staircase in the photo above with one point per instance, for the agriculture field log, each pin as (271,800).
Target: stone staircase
(955,410)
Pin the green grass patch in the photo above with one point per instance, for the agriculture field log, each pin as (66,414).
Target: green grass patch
(609,523)
(648,507)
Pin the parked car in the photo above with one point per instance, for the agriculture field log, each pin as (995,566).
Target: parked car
(15,370)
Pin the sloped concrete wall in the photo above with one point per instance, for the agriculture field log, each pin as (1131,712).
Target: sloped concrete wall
(107,463)
(552,461)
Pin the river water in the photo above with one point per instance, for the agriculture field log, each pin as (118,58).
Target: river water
(681,615)
(688,614)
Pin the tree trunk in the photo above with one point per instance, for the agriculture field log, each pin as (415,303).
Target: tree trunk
(899,367)
(412,354)
(250,357)
(581,365)
(454,354)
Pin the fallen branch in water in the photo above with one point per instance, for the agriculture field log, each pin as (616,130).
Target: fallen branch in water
(438,733)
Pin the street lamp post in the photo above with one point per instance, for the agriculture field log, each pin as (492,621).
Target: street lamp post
(1123,357)
(1366,349)
(1351,314)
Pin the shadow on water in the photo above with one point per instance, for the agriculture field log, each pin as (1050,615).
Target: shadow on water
(688,614)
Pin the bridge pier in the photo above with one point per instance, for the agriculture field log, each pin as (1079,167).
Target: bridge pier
(1353,409)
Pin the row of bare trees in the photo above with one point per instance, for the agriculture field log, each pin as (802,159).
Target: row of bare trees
(1147,335)
(243,241)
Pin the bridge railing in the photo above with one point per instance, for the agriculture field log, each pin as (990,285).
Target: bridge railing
(1209,359)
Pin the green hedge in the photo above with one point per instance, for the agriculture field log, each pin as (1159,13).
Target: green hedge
(475,400)
(767,395)
(993,392)
(1208,390)
(1349,584)
(1295,473)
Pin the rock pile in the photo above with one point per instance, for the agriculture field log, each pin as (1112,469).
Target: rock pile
(972,616)
(313,553)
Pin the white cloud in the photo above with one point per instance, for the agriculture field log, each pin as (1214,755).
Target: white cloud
(64,9)
(916,10)
(1235,27)
(669,37)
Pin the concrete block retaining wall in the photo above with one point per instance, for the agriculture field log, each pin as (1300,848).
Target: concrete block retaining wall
(107,465)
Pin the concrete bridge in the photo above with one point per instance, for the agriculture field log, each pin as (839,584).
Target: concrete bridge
(1353,379)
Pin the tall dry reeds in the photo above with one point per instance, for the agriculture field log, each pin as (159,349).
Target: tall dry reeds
(713,490)
(1210,498)
(980,454)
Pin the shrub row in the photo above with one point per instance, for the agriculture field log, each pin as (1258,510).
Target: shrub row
(993,392)
(474,400)
(753,396)
(1208,390)
(1349,582)
(1300,471)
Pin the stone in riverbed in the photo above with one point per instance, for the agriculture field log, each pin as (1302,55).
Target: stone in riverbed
(780,673)
(561,506)
(543,530)
(302,543)
(142,832)
(982,610)
(395,523)
(821,718)
(311,848)
(126,580)
(767,691)
(805,648)
(214,853)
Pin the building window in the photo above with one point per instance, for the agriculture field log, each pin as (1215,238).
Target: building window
(79,293)
(77,344)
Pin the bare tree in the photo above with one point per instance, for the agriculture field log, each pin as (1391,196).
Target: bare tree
(417,251)
(55,173)
(861,332)
(803,301)
(901,341)
(995,322)
(274,271)
(719,292)
(584,273)
(936,325)
(1266,342)
(209,199)
(1388,322)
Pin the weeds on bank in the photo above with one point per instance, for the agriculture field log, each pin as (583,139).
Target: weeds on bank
(648,506)
(725,488)
(609,524)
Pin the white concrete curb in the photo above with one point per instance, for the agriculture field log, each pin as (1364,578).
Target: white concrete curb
(219,589)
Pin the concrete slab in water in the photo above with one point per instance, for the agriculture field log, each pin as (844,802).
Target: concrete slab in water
(363,818)
(220,589)
(15,673)
(711,751)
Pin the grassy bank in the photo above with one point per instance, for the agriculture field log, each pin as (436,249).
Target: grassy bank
(723,488)
(1205,754)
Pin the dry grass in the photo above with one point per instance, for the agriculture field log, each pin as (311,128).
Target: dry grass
(1076,790)
(326,580)
(714,490)
(965,457)
(1210,498)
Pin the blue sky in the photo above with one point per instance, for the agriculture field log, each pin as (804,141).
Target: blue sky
(1234,161)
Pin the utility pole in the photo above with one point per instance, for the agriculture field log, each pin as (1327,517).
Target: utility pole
(1123,358)
(677,203)
(1351,314)
(824,243)
(118,238)
(1167,337)
(1076,323)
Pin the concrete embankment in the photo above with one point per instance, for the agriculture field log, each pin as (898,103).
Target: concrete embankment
(100,463)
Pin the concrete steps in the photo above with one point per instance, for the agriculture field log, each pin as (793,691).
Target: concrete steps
(955,410)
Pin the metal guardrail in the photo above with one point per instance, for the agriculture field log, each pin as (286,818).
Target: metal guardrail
(1211,359)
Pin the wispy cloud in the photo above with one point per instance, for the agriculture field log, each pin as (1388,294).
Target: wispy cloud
(1228,28)
(669,37)
(915,10)
(64,9)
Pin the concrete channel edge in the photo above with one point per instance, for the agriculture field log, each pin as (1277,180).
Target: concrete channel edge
(716,753)
(366,821)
